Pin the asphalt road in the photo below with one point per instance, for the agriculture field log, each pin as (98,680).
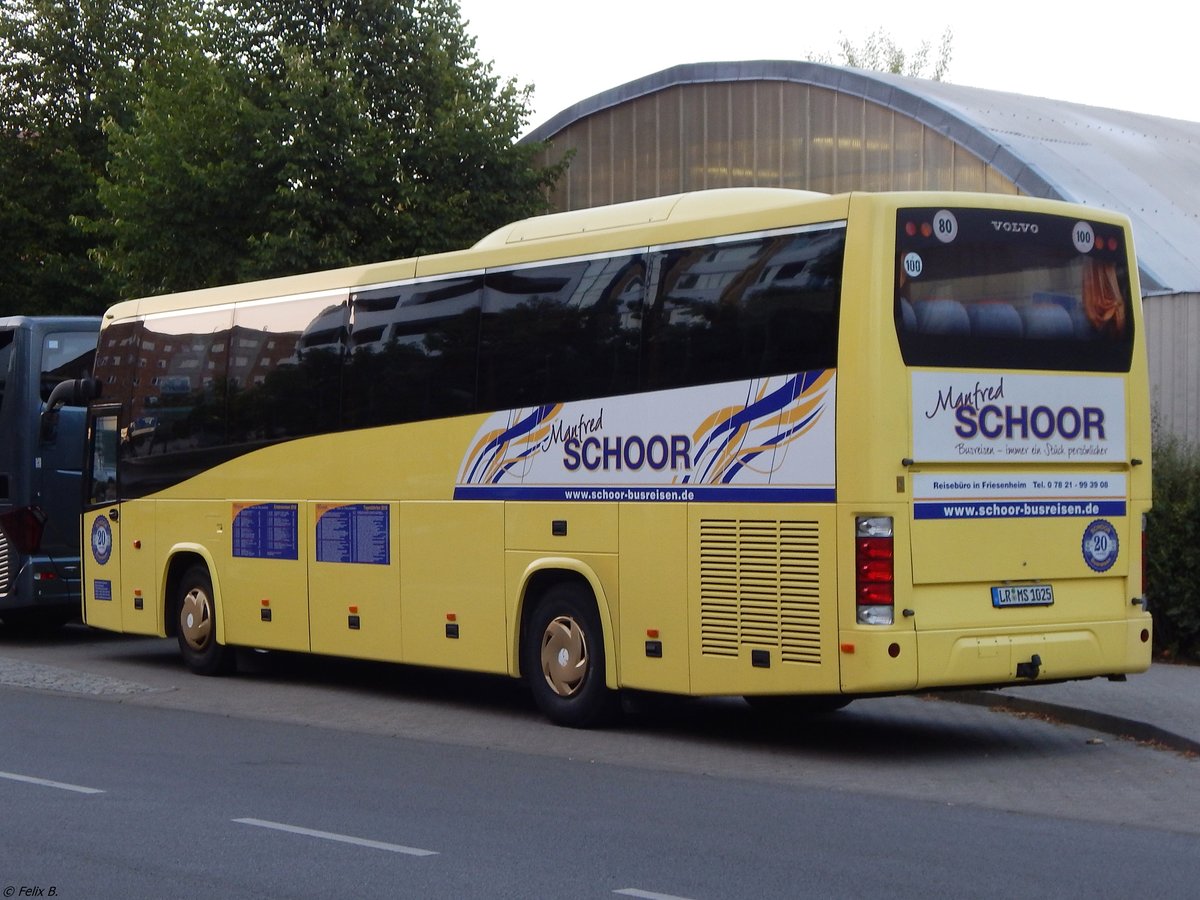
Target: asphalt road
(121,775)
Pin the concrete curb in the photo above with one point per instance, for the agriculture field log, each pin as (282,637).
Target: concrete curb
(1116,726)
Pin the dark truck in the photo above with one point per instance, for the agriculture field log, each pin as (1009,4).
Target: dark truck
(45,379)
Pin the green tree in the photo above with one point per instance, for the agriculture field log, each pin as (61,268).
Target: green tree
(1173,547)
(55,69)
(292,137)
(879,53)
(64,68)
(186,186)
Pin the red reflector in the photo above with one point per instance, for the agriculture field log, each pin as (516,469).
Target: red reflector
(873,559)
(24,527)
(878,594)
(874,548)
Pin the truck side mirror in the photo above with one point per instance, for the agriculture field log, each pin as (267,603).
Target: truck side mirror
(75,392)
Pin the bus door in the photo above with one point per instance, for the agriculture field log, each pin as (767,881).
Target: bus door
(101,522)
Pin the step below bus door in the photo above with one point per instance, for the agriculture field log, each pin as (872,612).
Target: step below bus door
(101,524)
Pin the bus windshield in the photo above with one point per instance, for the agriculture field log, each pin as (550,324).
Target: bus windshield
(979,288)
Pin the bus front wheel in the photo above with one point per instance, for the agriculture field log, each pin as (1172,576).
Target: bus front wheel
(196,625)
(564,659)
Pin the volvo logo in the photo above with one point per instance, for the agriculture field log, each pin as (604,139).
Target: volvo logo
(1015,227)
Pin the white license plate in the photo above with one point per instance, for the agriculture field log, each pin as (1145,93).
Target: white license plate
(1023,595)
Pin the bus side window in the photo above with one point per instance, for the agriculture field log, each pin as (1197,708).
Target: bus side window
(412,352)
(285,369)
(744,309)
(560,332)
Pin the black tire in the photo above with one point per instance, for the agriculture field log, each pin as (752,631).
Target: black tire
(563,659)
(798,706)
(196,625)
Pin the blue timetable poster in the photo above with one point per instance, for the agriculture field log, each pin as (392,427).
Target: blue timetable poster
(354,533)
(266,530)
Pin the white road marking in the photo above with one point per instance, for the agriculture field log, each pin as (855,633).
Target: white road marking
(341,838)
(647,895)
(78,789)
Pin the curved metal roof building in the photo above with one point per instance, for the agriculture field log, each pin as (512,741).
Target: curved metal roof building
(824,128)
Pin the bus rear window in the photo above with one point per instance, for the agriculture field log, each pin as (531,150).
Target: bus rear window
(979,288)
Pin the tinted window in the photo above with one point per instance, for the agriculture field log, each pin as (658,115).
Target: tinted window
(741,309)
(6,357)
(997,289)
(413,351)
(66,355)
(285,369)
(178,393)
(560,332)
(102,472)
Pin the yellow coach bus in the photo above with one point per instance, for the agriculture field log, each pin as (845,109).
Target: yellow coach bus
(796,447)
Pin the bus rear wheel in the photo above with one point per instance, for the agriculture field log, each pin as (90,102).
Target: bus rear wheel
(563,659)
(196,625)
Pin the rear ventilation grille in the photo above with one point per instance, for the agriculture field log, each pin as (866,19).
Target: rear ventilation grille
(3,563)
(759,587)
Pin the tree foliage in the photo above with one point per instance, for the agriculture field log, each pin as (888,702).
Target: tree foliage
(156,145)
(879,52)
(65,68)
(1173,548)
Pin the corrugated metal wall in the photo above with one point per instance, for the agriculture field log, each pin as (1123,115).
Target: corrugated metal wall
(755,133)
(1173,348)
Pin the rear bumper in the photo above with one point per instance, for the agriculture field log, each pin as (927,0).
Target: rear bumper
(39,585)
(957,658)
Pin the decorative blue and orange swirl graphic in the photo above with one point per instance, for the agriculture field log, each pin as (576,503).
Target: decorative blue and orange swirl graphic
(499,450)
(768,439)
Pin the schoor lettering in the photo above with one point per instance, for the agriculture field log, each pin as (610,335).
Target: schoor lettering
(628,453)
(1023,422)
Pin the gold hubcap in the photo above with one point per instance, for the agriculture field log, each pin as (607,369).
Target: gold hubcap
(564,656)
(195,619)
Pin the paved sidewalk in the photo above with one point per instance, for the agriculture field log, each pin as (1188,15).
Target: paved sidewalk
(1160,705)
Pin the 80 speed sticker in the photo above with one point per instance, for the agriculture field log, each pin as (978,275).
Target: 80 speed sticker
(1100,545)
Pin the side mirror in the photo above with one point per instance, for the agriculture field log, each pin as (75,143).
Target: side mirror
(75,392)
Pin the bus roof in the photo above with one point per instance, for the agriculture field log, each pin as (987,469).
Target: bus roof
(577,232)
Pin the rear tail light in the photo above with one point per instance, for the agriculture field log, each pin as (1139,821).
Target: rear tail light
(24,527)
(874,570)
